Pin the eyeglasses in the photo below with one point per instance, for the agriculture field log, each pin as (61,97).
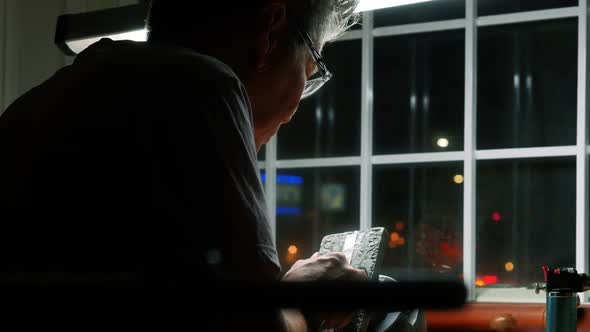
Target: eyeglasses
(322,76)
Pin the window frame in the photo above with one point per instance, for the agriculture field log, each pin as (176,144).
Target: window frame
(470,155)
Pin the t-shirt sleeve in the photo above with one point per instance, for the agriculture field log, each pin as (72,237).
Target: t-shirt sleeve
(231,130)
(220,178)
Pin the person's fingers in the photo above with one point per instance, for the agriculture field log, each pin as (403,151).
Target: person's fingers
(315,255)
(363,274)
(297,264)
(354,274)
(339,256)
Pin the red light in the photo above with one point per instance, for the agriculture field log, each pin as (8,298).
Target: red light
(496,216)
(444,245)
(490,280)
(453,252)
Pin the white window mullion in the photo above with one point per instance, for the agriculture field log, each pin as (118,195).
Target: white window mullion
(367,123)
(530,16)
(319,162)
(3,51)
(522,153)
(469,191)
(350,35)
(408,29)
(271,184)
(582,142)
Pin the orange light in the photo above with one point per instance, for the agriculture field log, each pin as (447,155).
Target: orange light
(394,236)
(480,283)
(293,250)
(509,266)
(399,226)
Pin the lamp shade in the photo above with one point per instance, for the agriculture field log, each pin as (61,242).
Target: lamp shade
(75,32)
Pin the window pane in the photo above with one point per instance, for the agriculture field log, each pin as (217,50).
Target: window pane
(492,7)
(328,123)
(419,93)
(422,208)
(262,154)
(526,217)
(420,12)
(527,85)
(312,203)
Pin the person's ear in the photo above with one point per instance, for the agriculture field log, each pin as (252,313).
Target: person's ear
(272,30)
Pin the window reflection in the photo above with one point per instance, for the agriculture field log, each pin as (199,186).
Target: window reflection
(328,123)
(421,207)
(312,203)
(527,85)
(419,93)
(526,217)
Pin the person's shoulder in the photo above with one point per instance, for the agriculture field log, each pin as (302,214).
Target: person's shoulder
(165,62)
(183,62)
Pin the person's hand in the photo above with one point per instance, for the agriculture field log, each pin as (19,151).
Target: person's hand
(331,266)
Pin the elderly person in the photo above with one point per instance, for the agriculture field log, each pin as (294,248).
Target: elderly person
(138,161)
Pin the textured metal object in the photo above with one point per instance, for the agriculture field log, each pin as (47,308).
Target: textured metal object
(365,250)
(561,312)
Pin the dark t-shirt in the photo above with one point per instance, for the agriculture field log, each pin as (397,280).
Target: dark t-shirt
(137,161)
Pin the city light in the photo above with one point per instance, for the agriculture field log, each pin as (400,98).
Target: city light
(458,179)
(442,142)
(490,280)
(509,266)
(486,280)
(399,226)
(293,250)
(496,216)
(396,240)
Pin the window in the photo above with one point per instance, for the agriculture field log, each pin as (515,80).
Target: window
(402,160)
(422,209)
(419,93)
(262,154)
(312,203)
(527,84)
(526,217)
(328,123)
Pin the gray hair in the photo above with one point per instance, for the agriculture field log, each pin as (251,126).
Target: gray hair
(324,20)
